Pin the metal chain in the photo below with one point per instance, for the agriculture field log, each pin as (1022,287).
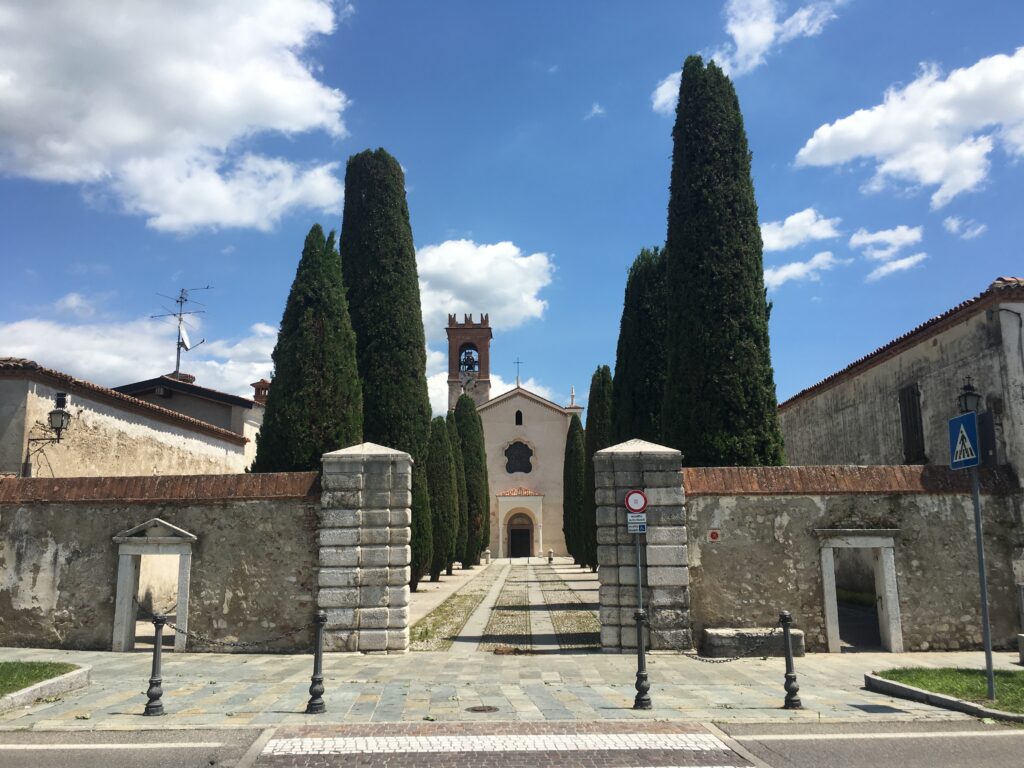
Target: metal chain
(761,643)
(228,644)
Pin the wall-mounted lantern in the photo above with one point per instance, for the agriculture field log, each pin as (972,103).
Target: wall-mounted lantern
(57,421)
(968,400)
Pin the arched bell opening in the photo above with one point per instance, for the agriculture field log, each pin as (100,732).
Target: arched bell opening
(469,359)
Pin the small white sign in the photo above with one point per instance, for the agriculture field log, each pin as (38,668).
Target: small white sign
(636,517)
(636,527)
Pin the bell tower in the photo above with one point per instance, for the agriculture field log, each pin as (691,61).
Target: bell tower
(469,359)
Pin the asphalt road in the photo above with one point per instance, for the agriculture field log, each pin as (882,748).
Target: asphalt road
(960,744)
(125,749)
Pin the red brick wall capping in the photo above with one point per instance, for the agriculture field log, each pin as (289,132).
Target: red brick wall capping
(182,489)
(826,480)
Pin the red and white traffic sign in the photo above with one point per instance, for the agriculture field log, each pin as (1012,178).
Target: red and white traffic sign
(636,501)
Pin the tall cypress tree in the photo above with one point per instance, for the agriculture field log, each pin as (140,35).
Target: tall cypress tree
(485,528)
(639,382)
(573,485)
(459,540)
(444,499)
(315,404)
(597,437)
(720,407)
(379,265)
(474,460)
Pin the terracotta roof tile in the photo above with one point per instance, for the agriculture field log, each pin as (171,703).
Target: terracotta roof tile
(182,489)
(518,492)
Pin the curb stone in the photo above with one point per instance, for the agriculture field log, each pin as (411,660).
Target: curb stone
(903,691)
(55,686)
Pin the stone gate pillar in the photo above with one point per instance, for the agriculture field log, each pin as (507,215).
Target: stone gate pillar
(656,470)
(363,535)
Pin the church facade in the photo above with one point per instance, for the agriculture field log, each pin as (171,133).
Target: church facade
(524,437)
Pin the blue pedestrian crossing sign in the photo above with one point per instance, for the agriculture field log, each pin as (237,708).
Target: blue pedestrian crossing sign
(964,451)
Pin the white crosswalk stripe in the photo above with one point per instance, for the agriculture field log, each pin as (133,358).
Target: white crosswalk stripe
(692,742)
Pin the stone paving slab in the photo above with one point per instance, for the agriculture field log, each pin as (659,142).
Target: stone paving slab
(225,690)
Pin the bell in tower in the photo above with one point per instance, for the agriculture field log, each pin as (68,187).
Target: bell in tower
(469,359)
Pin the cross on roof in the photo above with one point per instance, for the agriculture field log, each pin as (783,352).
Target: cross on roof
(518,363)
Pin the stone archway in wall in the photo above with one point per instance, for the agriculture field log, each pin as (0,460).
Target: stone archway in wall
(153,537)
(519,535)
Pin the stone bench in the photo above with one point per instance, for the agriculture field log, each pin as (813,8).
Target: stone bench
(723,642)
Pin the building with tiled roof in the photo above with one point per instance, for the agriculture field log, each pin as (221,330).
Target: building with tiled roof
(112,432)
(892,405)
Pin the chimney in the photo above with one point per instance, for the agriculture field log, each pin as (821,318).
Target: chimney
(187,378)
(261,389)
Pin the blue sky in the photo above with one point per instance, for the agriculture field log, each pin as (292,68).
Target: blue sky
(146,147)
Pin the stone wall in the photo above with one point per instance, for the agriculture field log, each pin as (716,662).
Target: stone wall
(752,548)
(655,470)
(253,572)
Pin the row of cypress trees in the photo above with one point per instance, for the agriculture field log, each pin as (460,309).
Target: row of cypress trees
(692,366)
(350,366)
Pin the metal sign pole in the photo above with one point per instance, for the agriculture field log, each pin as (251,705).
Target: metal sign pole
(983,584)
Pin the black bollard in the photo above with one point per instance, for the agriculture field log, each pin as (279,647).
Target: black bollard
(316,705)
(154,706)
(643,685)
(792,687)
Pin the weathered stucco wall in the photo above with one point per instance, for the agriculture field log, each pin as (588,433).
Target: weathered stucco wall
(12,424)
(253,572)
(856,419)
(767,556)
(105,440)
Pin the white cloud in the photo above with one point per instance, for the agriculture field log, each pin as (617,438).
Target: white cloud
(965,230)
(935,132)
(800,228)
(596,110)
(115,353)
(665,97)
(899,265)
(461,277)
(885,243)
(75,304)
(757,27)
(801,270)
(156,101)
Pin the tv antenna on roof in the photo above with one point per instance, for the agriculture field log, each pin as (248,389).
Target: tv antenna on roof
(183,340)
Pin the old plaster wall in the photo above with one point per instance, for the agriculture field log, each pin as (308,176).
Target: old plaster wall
(106,440)
(856,419)
(253,572)
(767,556)
(12,424)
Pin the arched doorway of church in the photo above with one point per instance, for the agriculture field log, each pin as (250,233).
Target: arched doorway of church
(520,536)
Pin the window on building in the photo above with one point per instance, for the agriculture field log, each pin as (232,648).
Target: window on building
(517,458)
(913,426)
(519,418)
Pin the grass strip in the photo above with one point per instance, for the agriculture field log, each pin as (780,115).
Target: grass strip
(15,675)
(438,629)
(965,684)
(509,624)
(576,626)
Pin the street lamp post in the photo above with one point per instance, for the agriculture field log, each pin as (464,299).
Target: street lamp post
(968,401)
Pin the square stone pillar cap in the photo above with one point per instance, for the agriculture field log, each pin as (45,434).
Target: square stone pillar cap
(638,447)
(370,451)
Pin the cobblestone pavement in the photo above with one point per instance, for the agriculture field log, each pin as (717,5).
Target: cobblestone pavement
(470,745)
(258,690)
